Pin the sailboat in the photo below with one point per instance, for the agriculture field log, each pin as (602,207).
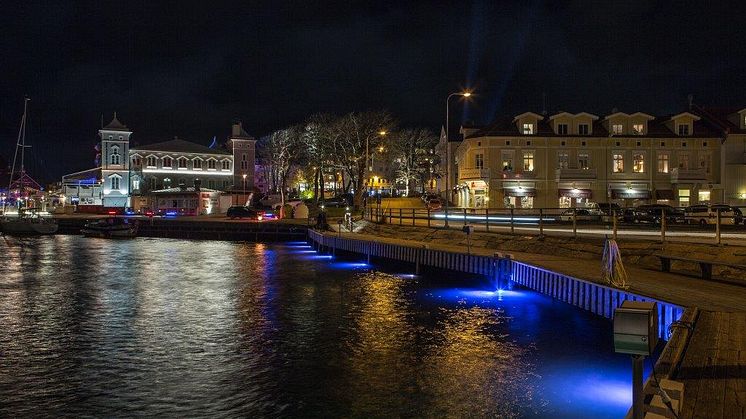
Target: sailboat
(26,221)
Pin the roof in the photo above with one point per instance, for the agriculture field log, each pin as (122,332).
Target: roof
(115,125)
(504,126)
(180,146)
(189,189)
(87,176)
(718,117)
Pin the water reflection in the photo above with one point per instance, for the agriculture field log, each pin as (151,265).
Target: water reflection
(183,328)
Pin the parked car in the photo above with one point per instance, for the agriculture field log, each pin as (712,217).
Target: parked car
(434,204)
(580,214)
(336,202)
(428,196)
(653,213)
(240,211)
(607,210)
(707,214)
(293,203)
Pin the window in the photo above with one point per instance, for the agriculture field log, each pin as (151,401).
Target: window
(151,161)
(211,163)
(584,160)
(197,164)
(703,196)
(166,183)
(152,183)
(507,159)
(683,129)
(182,163)
(244,162)
(115,158)
(135,183)
(167,163)
(562,160)
(114,182)
(617,129)
(638,129)
(582,143)
(562,129)
(663,143)
(638,162)
(528,142)
(618,163)
(226,165)
(507,142)
(528,129)
(683,160)
(136,161)
(705,161)
(479,161)
(584,129)
(663,162)
(684,197)
(528,161)
(562,143)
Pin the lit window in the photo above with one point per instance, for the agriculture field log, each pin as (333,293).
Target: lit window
(584,160)
(562,129)
(226,165)
(479,161)
(684,129)
(528,129)
(663,162)
(638,163)
(618,163)
(114,182)
(135,184)
(584,129)
(528,161)
(638,129)
(167,163)
(617,129)
(684,197)
(166,183)
(562,160)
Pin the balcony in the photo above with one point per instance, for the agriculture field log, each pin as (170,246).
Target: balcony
(474,173)
(518,175)
(576,174)
(680,175)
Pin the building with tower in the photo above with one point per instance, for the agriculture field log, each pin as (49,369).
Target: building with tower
(133,176)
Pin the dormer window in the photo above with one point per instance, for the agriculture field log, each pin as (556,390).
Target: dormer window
(151,161)
(617,129)
(167,163)
(683,129)
(584,129)
(562,129)
(182,163)
(115,157)
(226,165)
(638,129)
(528,129)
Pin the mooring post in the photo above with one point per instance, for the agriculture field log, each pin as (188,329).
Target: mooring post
(637,393)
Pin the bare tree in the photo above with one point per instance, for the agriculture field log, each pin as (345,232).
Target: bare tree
(412,152)
(284,149)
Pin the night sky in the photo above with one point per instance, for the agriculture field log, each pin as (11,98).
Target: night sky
(174,69)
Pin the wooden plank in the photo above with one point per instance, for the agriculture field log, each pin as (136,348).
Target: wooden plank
(691,366)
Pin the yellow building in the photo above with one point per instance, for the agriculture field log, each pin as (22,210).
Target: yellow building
(576,160)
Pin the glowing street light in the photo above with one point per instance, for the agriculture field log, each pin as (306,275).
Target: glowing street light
(448,151)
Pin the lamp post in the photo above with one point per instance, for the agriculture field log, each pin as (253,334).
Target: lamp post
(368,159)
(244,186)
(448,152)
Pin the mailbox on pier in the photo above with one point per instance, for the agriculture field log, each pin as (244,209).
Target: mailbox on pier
(636,328)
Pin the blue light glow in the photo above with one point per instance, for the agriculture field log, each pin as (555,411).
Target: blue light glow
(350,265)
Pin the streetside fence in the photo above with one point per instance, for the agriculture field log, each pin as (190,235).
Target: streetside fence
(596,298)
(541,221)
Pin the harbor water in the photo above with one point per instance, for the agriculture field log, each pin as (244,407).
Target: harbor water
(178,328)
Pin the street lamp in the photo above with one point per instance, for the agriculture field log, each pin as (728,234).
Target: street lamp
(244,186)
(367,155)
(448,152)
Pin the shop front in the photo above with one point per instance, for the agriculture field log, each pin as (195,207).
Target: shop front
(518,196)
(630,196)
(472,194)
(574,197)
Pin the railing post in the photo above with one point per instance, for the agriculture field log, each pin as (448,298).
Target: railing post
(541,222)
(400,217)
(464,217)
(574,222)
(428,217)
(663,226)
(391,217)
(487,218)
(613,223)
(412,216)
(512,226)
(717,228)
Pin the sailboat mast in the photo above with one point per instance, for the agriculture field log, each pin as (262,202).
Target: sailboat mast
(19,144)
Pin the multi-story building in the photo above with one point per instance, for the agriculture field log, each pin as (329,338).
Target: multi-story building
(569,160)
(134,172)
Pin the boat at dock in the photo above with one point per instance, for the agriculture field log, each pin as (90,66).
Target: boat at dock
(111,228)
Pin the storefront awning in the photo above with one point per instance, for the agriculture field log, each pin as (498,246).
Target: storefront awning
(519,192)
(630,194)
(575,193)
(664,194)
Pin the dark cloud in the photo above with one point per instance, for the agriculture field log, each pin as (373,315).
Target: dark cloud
(189,68)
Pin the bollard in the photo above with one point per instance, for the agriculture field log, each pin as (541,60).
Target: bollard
(717,228)
(512,226)
(487,219)
(574,222)
(541,222)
